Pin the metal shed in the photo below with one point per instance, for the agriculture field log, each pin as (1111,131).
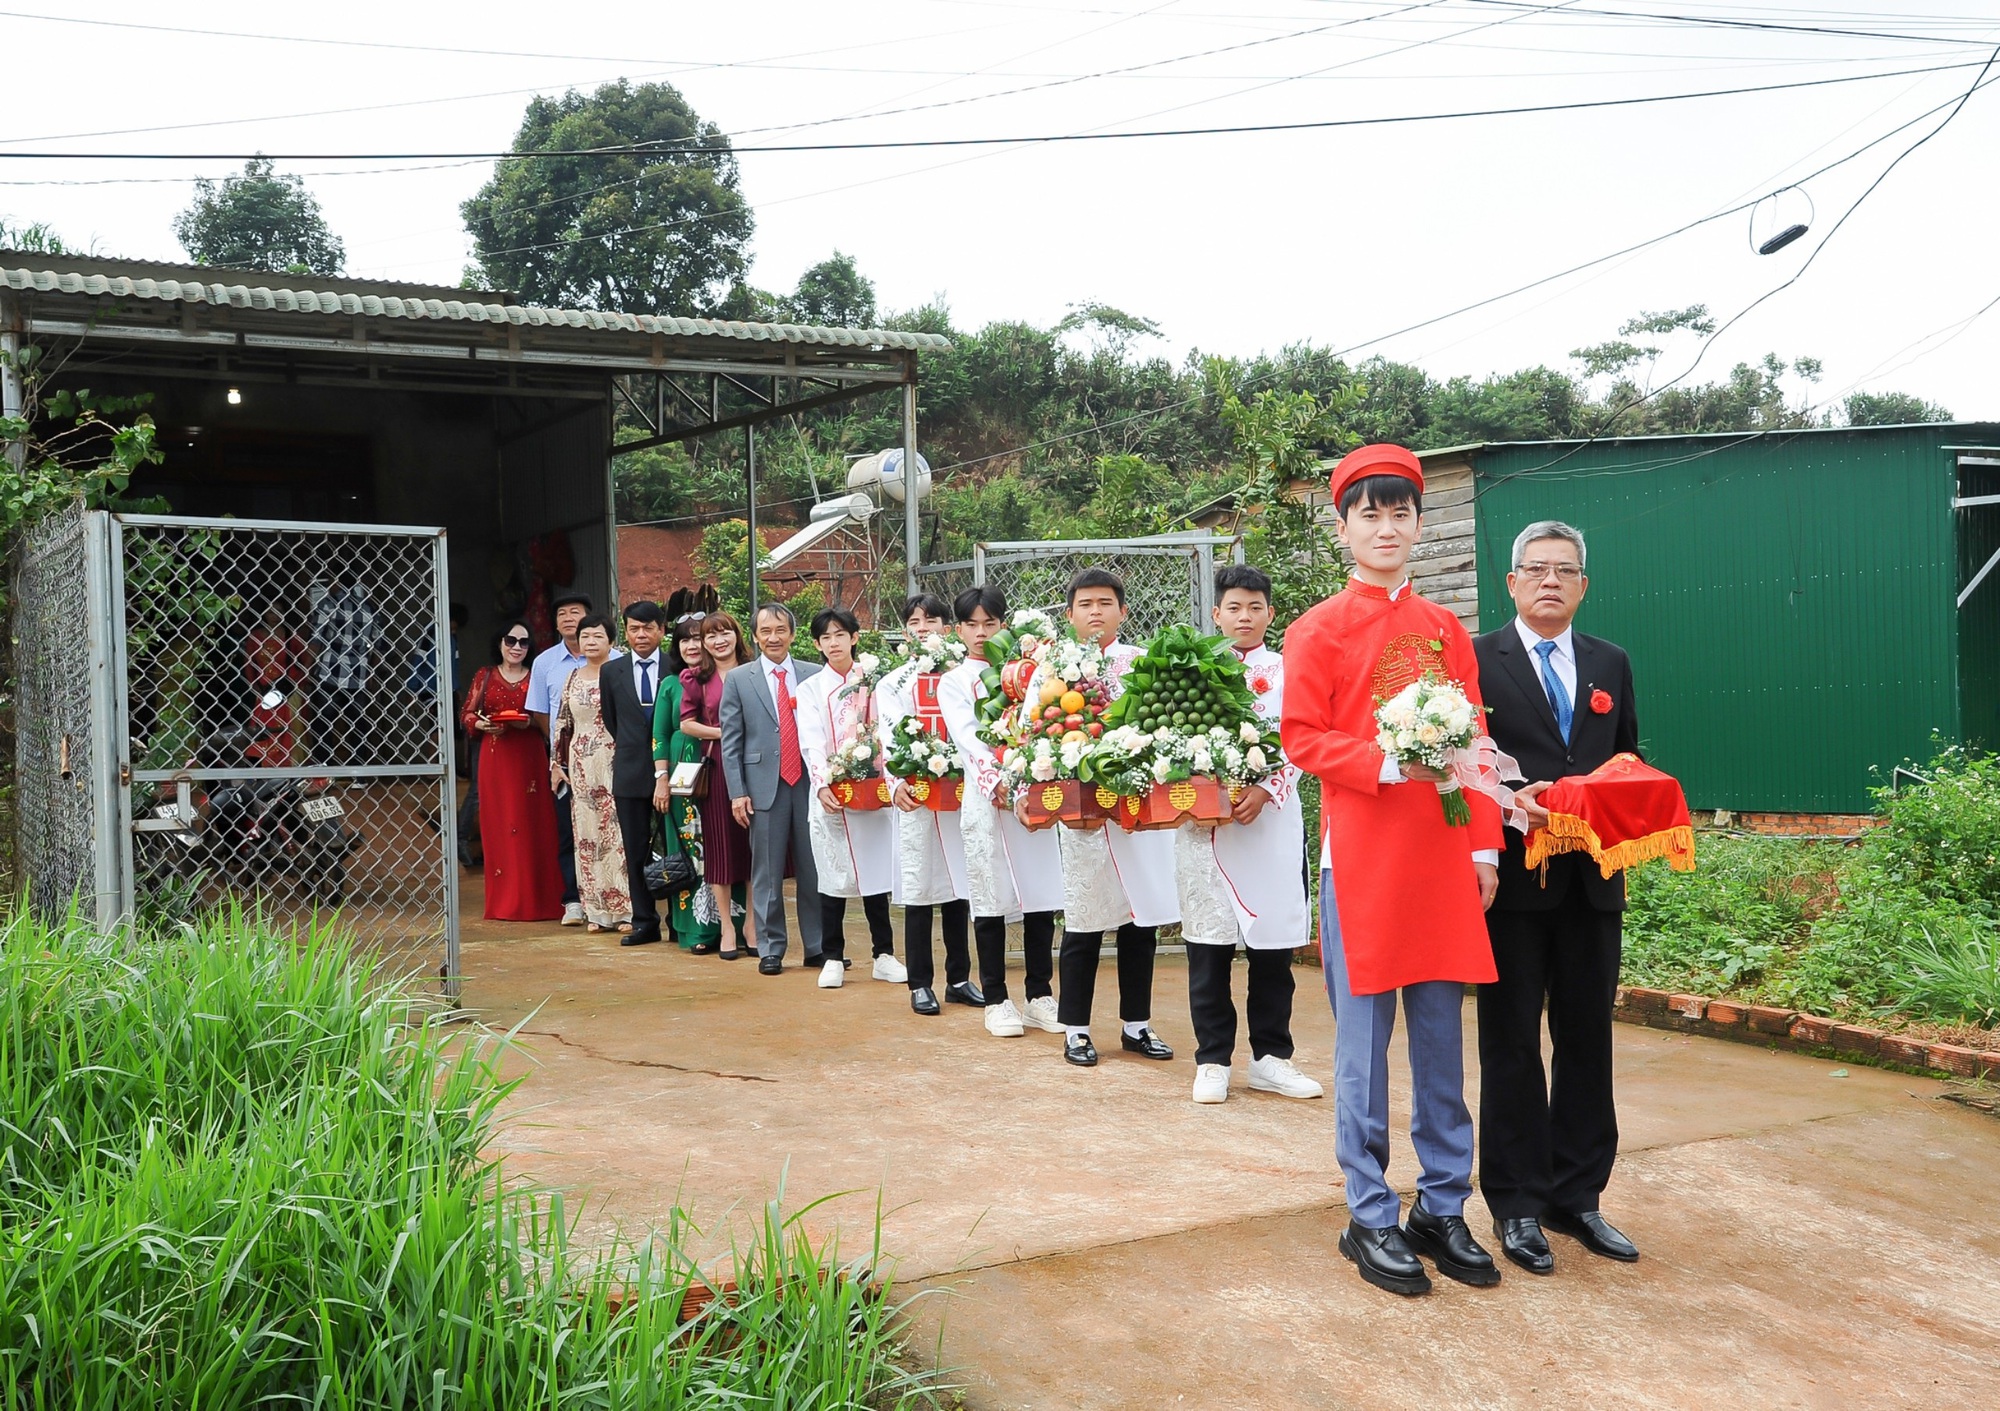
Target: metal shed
(1804,609)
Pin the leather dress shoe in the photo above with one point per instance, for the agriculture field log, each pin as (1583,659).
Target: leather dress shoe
(1080,1051)
(1595,1233)
(924,1000)
(1522,1240)
(964,992)
(1147,1045)
(770,965)
(1450,1246)
(1384,1259)
(640,938)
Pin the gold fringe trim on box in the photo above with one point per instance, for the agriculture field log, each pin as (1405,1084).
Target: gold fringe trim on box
(1568,833)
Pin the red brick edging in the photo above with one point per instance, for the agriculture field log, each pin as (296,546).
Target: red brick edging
(1788,1029)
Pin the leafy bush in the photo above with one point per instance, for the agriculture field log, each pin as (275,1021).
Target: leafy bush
(1723,925)
(234,1173)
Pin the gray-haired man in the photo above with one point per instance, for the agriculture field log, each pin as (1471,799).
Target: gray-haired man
(1561,704)
(769,789)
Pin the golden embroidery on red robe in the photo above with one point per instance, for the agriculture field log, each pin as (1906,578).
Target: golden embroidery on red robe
(1406,658)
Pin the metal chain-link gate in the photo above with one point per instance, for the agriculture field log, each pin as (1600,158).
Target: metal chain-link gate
(1168,578)
(274,727)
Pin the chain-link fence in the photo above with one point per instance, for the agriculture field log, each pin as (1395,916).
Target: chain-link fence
(288,722)
(61,725)
(1168,578)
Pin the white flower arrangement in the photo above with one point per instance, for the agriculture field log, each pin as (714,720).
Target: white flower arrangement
(934,653)
(1426,723)
(915,750)
(857,758)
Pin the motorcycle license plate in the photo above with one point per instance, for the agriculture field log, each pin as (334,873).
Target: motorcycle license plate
(320,810)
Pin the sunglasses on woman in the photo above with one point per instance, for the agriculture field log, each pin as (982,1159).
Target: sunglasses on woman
(518,641)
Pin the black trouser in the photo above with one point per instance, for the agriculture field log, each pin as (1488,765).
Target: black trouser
(1267,1001)
(917,957)
(833,915)
(635,826)
(566,845)
(1038,943)
(1080,953)
(1546,1143)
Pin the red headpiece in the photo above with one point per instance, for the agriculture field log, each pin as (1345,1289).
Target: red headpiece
(1382,458)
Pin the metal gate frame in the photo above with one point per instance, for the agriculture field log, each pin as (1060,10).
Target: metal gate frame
(111,686)
(1198,546)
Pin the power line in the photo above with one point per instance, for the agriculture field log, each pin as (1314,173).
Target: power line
(1731,22)
(668,149)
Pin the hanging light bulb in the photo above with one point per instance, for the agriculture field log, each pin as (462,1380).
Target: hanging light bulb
(235,398)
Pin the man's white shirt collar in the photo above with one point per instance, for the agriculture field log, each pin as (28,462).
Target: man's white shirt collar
(1565,640)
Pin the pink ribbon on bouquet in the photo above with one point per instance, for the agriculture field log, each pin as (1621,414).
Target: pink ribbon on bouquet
(1482,767)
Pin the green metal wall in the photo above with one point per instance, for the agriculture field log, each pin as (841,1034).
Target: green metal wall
(1788,600)
(1979,619)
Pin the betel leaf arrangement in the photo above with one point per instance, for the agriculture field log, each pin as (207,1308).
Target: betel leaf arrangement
(1010,666)
(1187,712)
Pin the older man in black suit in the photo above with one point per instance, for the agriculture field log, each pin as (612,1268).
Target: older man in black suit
(627,688)
(1561,704)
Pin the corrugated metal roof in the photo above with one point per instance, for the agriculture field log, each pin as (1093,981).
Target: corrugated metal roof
(281,300)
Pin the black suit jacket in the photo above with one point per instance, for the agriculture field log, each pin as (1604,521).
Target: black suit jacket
(1523,723)
(631,726)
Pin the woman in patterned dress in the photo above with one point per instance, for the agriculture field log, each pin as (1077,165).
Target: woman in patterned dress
(581,758)
(516,828)
(696,922)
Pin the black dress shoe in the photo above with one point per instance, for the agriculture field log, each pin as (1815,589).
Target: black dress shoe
(1147,1045)
(1595,1233)
(736,954)
(1080,1051)
(924,1000)
(1522,1240)
(1446,1241)
(639,938)
(1384,1259)
(964,992)
(770,965)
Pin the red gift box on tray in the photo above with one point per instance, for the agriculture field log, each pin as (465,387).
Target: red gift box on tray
(937,795)
(1068,801)
(1621,813)
(1170,805)
(861,794)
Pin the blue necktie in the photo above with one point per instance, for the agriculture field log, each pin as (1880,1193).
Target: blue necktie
(1558,697)
(646,683)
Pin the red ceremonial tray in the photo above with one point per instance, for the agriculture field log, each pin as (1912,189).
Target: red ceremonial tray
(1168,805)
(1621,813)
(862,794)
(507,717)
(937,795)
(1068,801)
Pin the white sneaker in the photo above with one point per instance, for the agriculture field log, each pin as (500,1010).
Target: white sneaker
(573,913)
(1211,1082)
(888,968)
(1042,1014)
(1003,1021)
(831,974)
(1271,1074)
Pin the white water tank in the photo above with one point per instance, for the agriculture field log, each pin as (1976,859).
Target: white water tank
(880,476)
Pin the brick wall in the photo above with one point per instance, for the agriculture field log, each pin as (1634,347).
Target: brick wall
(1795,825)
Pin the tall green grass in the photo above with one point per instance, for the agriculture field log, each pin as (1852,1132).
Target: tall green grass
(236,1172)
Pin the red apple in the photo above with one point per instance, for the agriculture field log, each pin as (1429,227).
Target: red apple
(1095,729)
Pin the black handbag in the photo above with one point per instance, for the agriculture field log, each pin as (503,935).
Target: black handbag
(670,874)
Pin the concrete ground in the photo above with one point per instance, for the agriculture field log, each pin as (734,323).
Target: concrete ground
(1813,1235)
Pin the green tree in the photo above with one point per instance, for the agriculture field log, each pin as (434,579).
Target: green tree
(1891,409)
(835,294)
(35,238)
(660,231)
(259,220)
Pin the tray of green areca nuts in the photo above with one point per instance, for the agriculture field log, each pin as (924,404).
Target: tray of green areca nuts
(1184,682)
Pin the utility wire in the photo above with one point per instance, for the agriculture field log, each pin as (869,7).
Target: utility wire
(667,149)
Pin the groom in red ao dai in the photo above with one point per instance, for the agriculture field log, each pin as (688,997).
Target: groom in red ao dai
(1402,892)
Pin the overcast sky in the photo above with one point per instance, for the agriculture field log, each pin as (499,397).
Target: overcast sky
(1232,243)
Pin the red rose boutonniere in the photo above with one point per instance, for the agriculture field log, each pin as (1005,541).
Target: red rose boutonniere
(1600,702)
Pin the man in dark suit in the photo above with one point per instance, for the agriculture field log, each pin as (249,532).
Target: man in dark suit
(627,687)
(1561,704)
(769,789)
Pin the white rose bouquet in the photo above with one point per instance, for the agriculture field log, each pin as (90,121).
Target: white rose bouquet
(917,752)
(1428,722)
(856,758)
(934,654)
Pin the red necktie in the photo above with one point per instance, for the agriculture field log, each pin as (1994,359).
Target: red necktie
(791,764)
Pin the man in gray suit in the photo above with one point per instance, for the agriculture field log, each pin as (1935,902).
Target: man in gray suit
(768,785)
